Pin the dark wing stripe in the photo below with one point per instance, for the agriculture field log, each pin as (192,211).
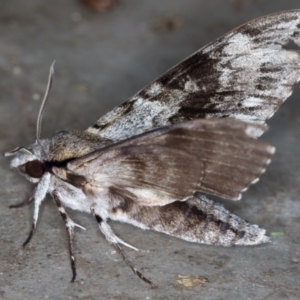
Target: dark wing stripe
(245,75)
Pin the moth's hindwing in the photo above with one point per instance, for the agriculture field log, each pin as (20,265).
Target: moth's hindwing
(217,157)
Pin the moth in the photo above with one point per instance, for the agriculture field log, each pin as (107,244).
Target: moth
(152,161)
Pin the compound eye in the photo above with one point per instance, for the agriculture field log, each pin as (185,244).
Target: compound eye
(34,169)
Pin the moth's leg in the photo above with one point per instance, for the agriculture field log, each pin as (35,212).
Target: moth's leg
(23,203)
(39,195)
(114,240)
(70,232)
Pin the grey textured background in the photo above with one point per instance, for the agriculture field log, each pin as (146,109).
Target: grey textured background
(103,58)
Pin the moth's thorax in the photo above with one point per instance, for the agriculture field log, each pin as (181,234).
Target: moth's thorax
(62,147)
(66,145)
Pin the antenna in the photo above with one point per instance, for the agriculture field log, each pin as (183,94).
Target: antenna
(40,115)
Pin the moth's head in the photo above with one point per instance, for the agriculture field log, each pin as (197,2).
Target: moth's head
(29,162)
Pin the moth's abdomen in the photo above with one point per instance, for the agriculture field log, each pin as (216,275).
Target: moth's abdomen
(197,220)
(203,221)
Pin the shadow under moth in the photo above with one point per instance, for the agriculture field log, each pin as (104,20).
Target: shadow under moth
(192,132)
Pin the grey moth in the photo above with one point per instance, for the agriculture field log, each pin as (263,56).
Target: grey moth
(152,161)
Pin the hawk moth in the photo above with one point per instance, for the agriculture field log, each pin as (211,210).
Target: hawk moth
(192,132)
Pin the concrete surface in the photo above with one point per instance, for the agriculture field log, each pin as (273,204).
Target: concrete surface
(103,58)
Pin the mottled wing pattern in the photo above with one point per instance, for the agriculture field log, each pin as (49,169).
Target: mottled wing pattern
(245,74)
(217,157)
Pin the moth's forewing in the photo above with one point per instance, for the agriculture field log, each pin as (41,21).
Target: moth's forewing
(244,75)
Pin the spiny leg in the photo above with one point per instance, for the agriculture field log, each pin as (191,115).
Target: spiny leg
(23,203)
(113,240)
(39,195)
(33,227)
(70,232)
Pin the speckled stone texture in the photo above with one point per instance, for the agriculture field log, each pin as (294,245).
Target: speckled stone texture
(102,58)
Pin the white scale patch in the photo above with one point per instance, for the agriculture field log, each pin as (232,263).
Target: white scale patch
(191,87)
(154,89)
(154,112)
(253,102)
